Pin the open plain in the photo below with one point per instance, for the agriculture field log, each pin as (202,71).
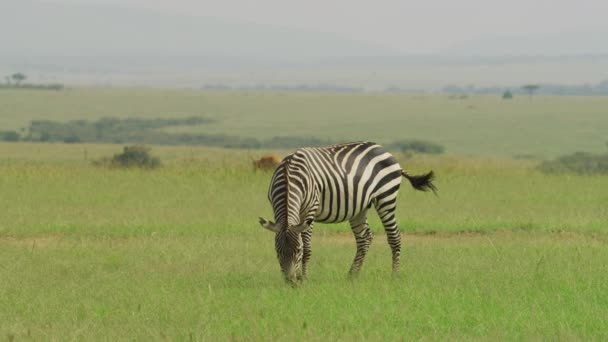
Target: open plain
(504,252)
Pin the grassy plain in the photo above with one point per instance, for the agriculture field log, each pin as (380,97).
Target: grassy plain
(226,286)
(503,253)
(480,125)
(89,253)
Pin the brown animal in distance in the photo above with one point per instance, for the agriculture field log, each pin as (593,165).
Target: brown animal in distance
(267,162)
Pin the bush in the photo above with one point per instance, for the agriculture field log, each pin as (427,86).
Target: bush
(9,136)
(580,163)
(72,139)
(416,146)
(132,156)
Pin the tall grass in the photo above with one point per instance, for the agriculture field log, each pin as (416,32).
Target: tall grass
(207,189)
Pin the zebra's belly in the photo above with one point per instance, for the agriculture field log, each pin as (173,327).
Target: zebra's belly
(336,211)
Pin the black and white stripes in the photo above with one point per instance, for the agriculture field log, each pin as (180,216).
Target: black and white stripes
(330,185)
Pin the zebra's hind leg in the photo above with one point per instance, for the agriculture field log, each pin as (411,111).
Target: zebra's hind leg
(307,251)
(364,237)
(386,211)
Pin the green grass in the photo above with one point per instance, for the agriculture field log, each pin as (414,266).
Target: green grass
(504,253)
(481,125)
(204,186)
(227,287)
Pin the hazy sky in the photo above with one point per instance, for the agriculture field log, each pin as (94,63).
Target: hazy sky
(420,26)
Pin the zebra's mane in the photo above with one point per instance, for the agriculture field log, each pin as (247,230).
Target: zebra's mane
(286,174)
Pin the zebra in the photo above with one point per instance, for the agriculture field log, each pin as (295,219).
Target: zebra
(330,185)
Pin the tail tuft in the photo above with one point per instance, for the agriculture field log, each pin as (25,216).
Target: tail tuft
(421,182)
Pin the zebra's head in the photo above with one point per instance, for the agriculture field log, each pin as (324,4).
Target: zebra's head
(289,247)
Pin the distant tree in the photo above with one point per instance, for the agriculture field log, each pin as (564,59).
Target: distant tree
(530,89)
(18,78)
(507,95)
(8,80)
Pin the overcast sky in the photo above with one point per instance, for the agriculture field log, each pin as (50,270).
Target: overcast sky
(421,26)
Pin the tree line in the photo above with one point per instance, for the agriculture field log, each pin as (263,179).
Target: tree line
(150,131)
(16,81)
(599,89)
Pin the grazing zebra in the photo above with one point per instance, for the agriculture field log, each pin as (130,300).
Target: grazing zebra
(331,185)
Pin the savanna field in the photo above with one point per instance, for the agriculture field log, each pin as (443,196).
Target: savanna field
(504,252)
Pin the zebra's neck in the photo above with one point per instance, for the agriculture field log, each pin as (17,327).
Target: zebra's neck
(298,197)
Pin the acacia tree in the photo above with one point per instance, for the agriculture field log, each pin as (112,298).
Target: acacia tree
(18,78)
(530,89)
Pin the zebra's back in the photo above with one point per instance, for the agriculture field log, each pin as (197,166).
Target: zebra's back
(350,177)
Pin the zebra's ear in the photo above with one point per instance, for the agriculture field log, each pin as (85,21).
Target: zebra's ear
(301,227)
(269,225)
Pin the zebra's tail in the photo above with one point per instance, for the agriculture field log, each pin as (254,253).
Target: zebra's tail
(421,182)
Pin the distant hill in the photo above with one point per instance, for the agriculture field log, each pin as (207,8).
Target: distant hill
(31,28)
(109,45)
(562,44)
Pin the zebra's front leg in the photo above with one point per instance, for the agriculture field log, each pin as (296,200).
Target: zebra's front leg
(364,237)
(307,251)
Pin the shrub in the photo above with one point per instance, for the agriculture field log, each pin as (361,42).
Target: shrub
(9,136)
(131,156)
(580,163)
(71,139)
(416,146)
